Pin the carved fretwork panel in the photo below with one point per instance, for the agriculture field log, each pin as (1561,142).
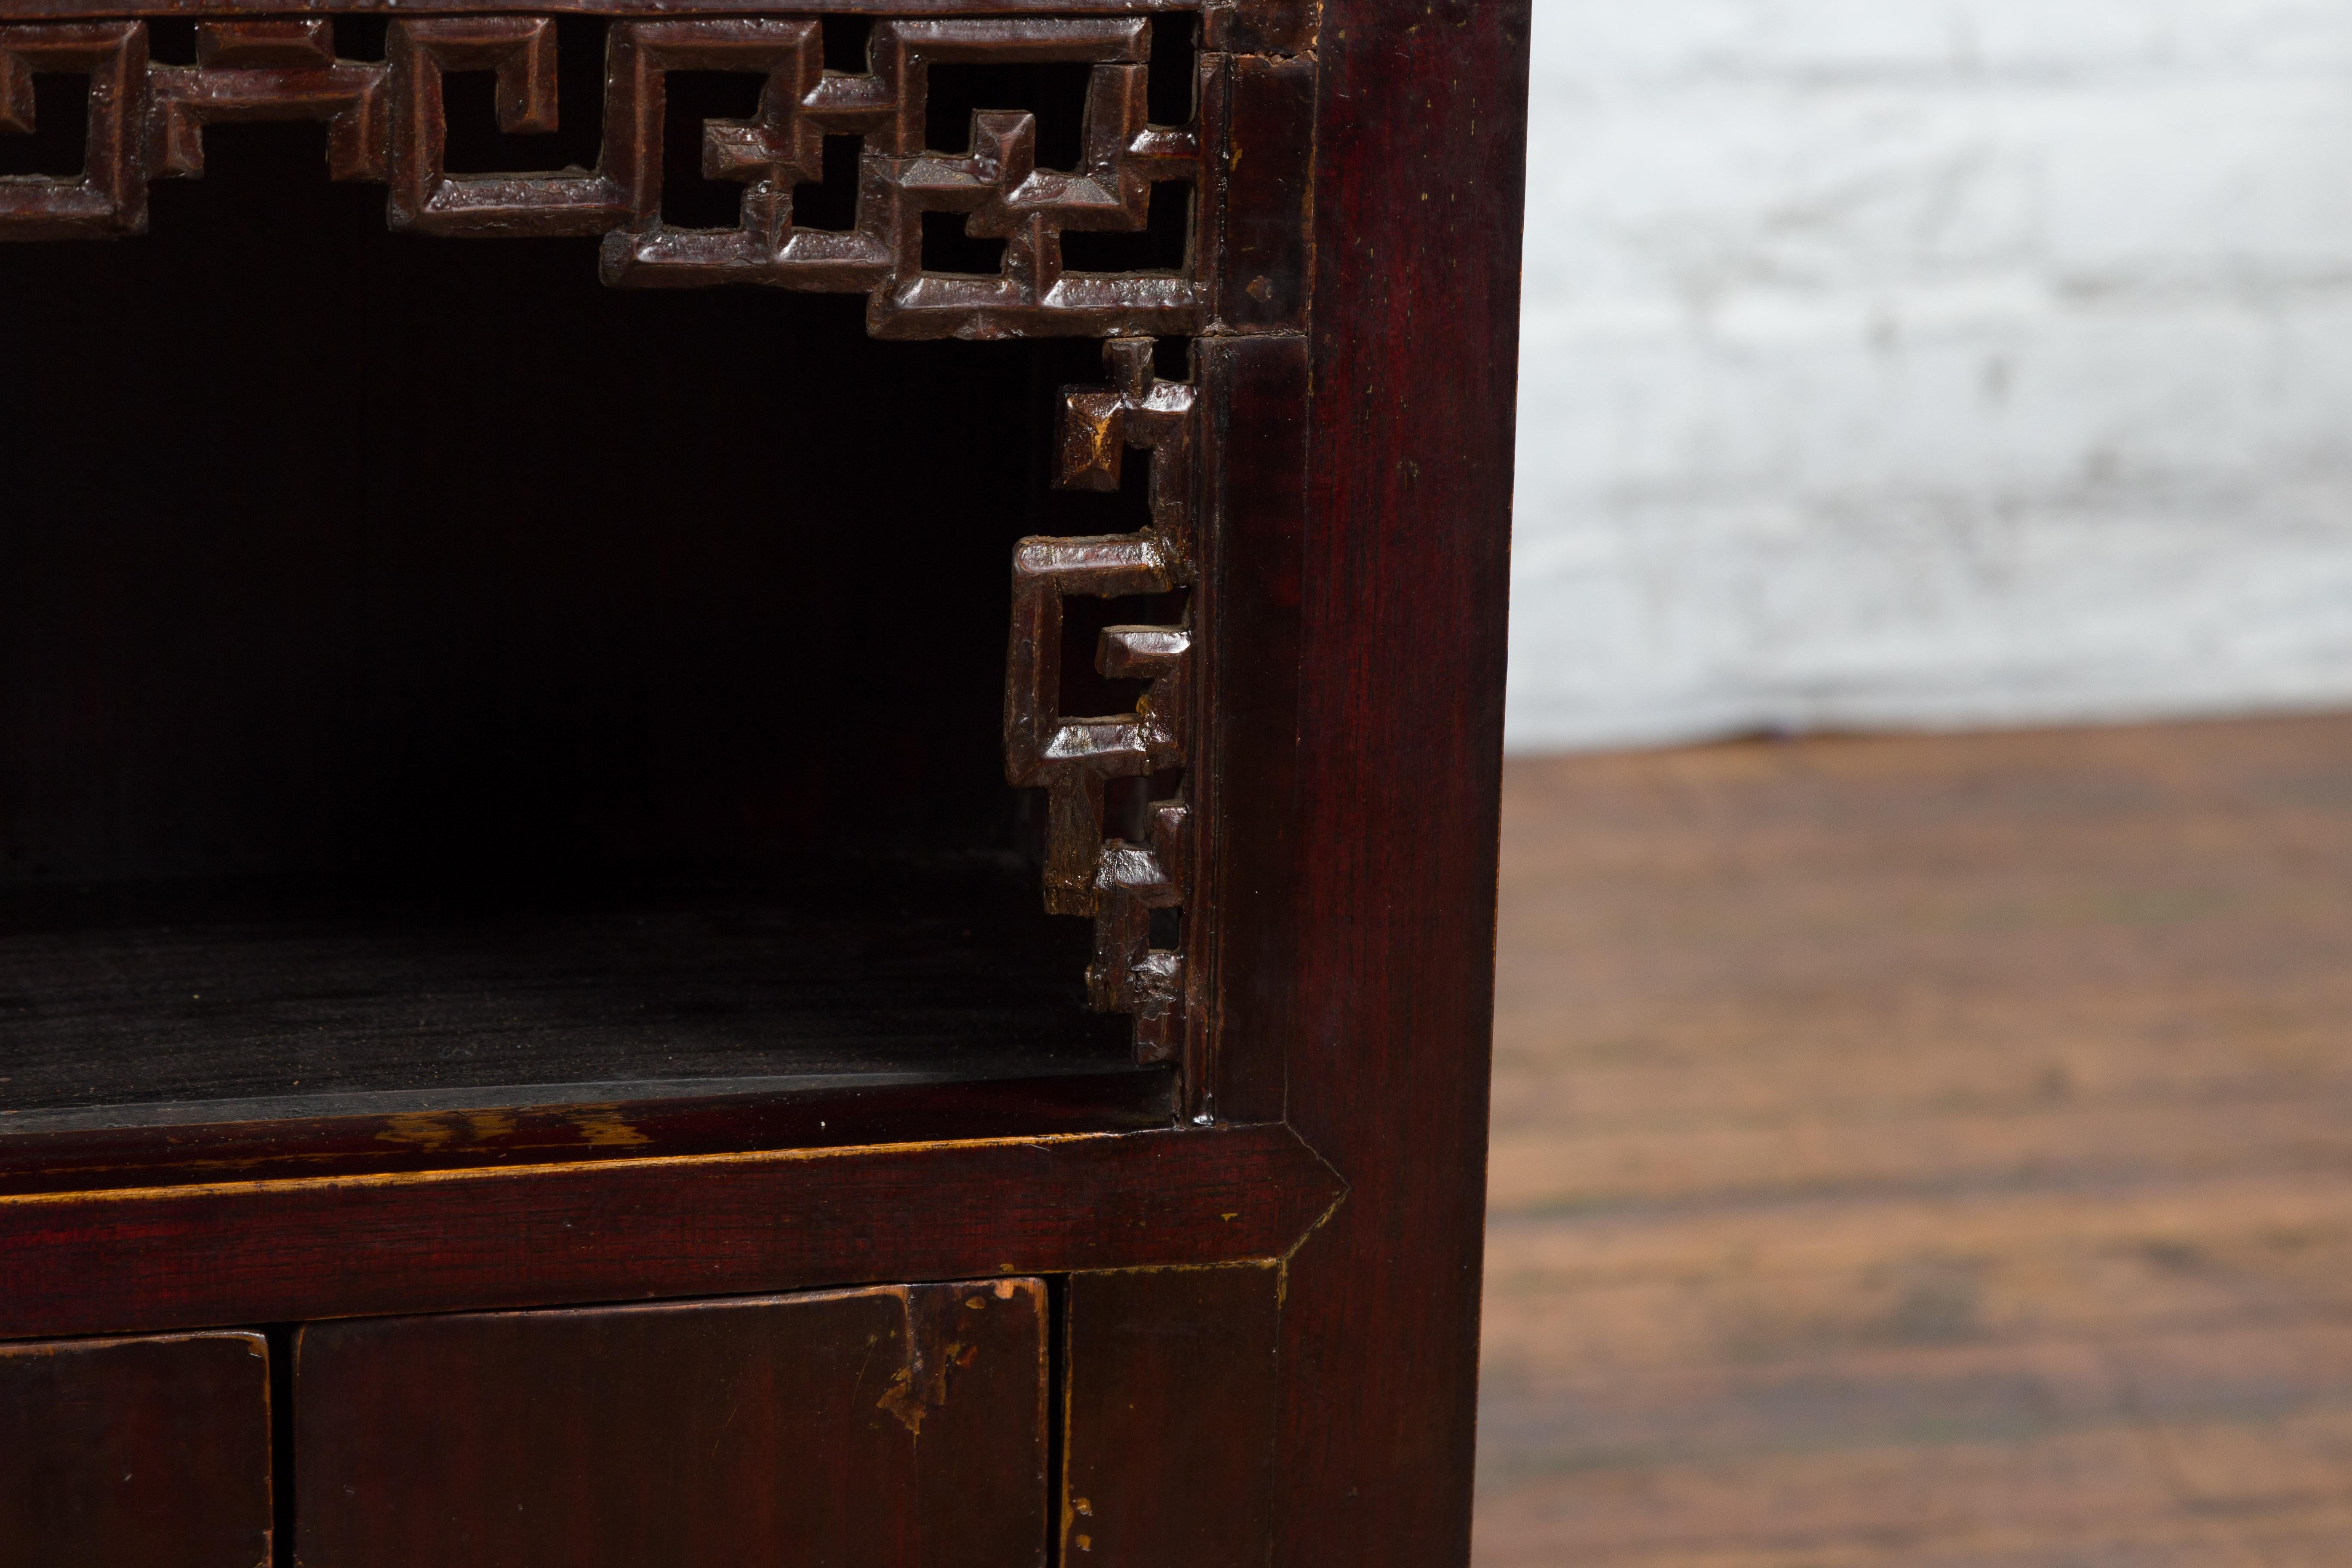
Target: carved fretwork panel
(1118,882)
(385,122)
(109,195)
(520,51)
(996,186)
(266,70)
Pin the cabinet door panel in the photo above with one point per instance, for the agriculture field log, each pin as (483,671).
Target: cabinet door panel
(136,1453)
(900,1428)
(1168,1444)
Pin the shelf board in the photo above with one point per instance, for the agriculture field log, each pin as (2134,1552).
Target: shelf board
(353,1025)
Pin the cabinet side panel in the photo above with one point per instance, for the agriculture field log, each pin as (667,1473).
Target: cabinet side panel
(1169,1456)
(713,1433)
(150,1453)
(1419,170)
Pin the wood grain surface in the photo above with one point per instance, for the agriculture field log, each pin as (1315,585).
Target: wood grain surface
(1382,518)
(900,1428)
(1926,1152)
(1169,1397)
(643,1229)
(328,1000)
(1420,153)
(149,1453)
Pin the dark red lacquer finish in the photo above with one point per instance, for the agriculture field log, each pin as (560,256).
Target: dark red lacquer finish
(136,1453)
(1251,699)
(1178,1364)
(385,124)
(900,1428)
(1420,165)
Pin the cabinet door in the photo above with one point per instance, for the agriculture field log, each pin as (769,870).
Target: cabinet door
(145,1453)
(899,1428)
(1170,1407)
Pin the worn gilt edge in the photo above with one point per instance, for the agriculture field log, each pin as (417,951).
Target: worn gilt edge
(553,1169)
(1173,1139)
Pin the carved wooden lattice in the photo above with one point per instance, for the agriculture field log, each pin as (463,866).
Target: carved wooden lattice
(1118,882)
(384,122)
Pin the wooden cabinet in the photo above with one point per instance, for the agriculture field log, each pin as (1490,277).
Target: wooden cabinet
(540,792)
(136,1453)
(896,1427)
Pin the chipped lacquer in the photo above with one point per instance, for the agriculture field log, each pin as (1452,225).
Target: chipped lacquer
(902,1426)
(1223,1310)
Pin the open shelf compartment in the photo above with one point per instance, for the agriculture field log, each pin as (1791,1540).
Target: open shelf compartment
(450,711)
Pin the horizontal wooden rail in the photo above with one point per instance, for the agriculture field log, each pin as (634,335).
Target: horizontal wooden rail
(147,1258)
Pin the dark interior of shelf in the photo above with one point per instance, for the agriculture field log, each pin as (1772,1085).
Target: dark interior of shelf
(424,670)
(358,1000)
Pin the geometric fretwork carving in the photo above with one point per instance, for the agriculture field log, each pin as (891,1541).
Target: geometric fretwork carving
(109,195)
(1117,881)
(520,52)
(996,184)
(266,71)
(1006,196)
(385,122)
(781,146)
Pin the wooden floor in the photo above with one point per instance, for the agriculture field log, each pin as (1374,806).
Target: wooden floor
(1933,1152)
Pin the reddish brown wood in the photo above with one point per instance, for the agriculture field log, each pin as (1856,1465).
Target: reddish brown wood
(780,147)
(1117,881)
(1257,479)
(1334,685)
(1420,165)
(266,71)
(522,51)
(385,122)
(68,9)
(1264,114)
(1261,26)
(728,1119)
(634,1230)
(109,195)
(148,1453)
(1004,196)
(1169,1401)
(903,1428)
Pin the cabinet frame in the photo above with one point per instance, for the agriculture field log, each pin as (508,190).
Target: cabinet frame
(1357,462)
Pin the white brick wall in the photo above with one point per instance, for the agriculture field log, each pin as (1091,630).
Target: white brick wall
(1933,362)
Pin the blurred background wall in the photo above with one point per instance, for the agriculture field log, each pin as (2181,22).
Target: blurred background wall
(1929,1151)
(1925,363)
